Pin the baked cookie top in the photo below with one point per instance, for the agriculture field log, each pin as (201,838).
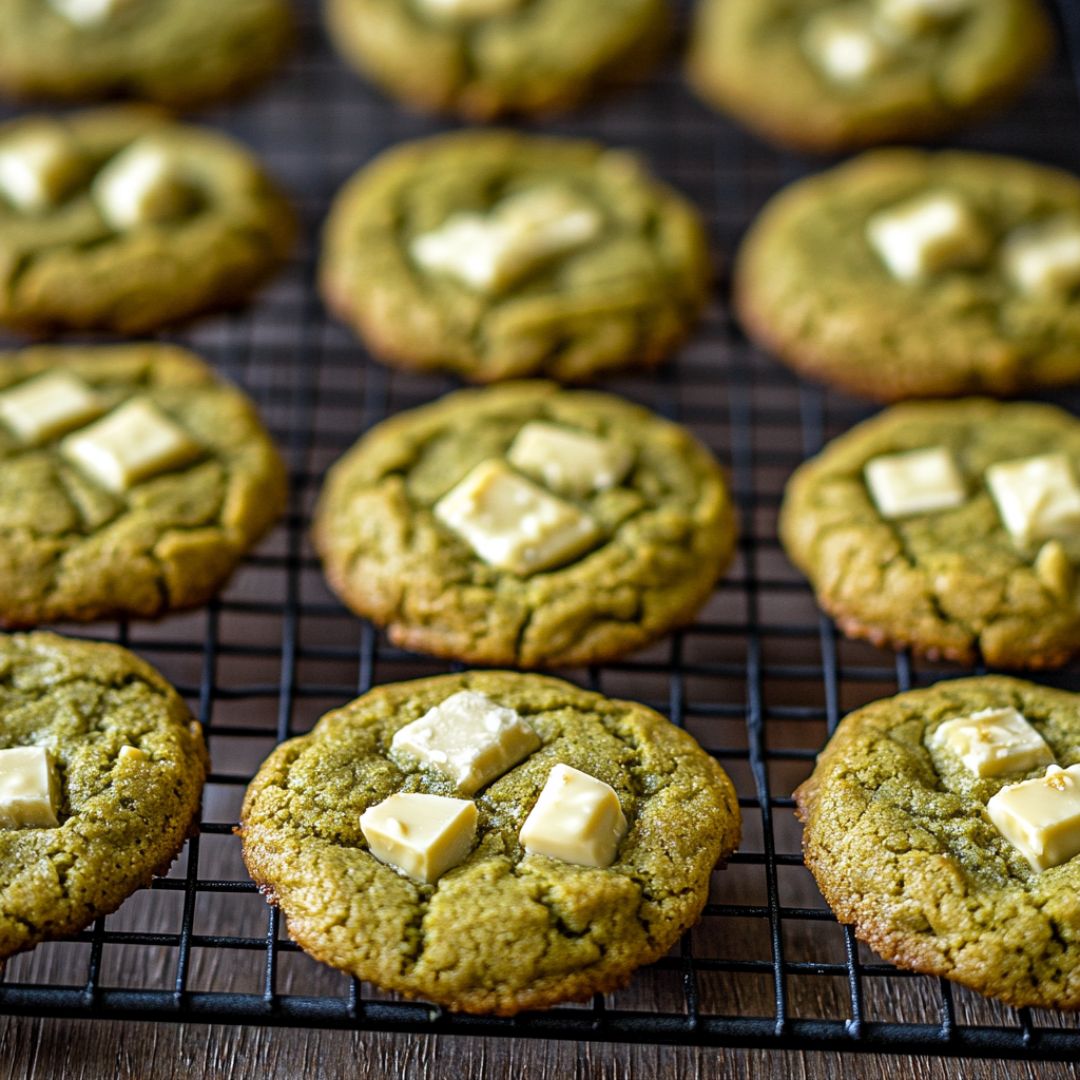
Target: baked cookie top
(909,814)
(525,525)
(904,273)
(504,928)
(484,58)
(827,75)
(496,255)
(949,527)
(132,480)
(110,768)
(179,53)
(117,219)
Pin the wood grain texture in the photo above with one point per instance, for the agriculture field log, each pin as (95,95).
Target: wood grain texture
(87,1050)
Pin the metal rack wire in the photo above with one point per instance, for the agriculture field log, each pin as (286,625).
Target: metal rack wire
(759,679)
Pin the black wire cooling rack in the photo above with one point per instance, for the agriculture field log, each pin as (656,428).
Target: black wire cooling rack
(760,679)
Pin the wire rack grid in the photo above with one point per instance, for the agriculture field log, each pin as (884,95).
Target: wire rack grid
(760,678)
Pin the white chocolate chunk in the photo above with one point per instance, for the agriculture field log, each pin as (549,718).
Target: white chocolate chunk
(1054,569)
(915,482)
(90,12)
(569,462)
(1044,260)
(130,444)
(142,185)
(914,17)
(843,44)
(423,836)
(131,754)
(29,790)
(925,235)
(490,252)
(1037,497)
(468,738)
(463,10)
(992,742)
(39,162)
(511,523)
(577,819)
(1041,817)
(47,405)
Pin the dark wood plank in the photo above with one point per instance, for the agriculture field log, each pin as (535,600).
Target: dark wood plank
(33,1049)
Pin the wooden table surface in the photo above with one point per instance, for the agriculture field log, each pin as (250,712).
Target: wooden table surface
(92,1050)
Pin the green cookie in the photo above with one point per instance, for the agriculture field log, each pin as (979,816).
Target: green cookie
(180,53)
(120,220)
(497,255)
(503,930)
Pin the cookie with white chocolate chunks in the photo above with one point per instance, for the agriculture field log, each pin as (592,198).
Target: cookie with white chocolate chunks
(525,525)
(486,58)
(498,255)
(583,852)
(829,75)
(132,480)
(905,274)
(101,772)
(952,527)
(944,825)
(120,220)
(179,53)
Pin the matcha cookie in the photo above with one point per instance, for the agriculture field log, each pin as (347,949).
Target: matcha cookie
(554,840)
(132,480)
(496,255)
(829,75)
(525,525)
(101,772)
(180,53)
(949,527)
(910,274)
(483,58)
(120,220)
(920,818)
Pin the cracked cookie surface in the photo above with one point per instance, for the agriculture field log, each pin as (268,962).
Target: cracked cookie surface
(949,583)
(66,266)
(540,57)
(121,820)
(72,549)
(502,931)
(625,297)
(898,839)
(664,533)
(749,58)
(180,53)
(810,288)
